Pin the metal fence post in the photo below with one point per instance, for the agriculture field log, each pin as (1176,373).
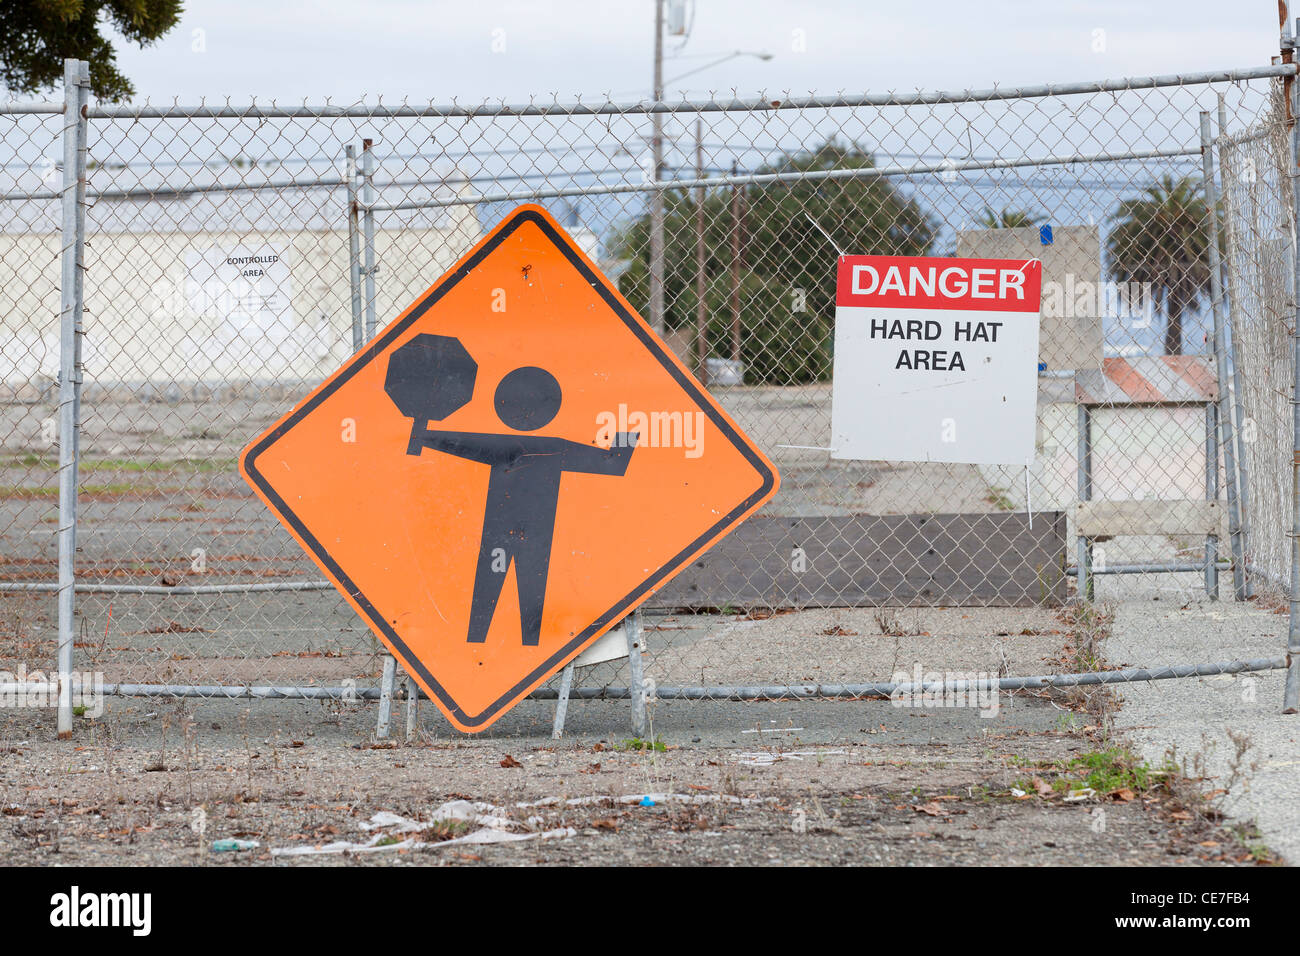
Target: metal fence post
(75,74)
(635,644)
(562,701)
(1238,393)
(1291,697)
(1211,494)
(368,221)
(79,281)
(354,252)
(1221,366)
(1084,455)
(363,332)
(412,706)
(386,696)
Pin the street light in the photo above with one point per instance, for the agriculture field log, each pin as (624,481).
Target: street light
(758,54)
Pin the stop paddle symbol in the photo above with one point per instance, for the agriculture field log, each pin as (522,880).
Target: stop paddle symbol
(430,377)
(515,463)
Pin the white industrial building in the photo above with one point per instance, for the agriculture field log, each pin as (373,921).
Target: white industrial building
(196,286)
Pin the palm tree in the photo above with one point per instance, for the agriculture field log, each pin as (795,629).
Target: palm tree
(1161,240)
(1008,218)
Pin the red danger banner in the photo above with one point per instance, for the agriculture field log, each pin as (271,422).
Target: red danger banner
(907,282)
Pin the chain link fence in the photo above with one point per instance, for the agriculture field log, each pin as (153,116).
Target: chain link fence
(1259,270)
(235,255)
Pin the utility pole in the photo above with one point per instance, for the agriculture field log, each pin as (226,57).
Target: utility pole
(656,196)
(736,213)
(701,311)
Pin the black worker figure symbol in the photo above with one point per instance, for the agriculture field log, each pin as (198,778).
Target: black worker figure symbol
(432,376)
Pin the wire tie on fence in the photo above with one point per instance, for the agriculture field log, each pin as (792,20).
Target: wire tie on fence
(834,245)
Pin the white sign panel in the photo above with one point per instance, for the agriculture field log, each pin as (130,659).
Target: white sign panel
(936,359)
(244,293)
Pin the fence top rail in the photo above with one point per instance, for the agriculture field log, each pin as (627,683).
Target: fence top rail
(23,108)
(597,189)
(761,103)
(762,179)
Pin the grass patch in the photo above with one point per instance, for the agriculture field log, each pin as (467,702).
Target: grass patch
(124,489)
(33,492)
(1117,769)
(636,743)
(1105,771)
(130,465)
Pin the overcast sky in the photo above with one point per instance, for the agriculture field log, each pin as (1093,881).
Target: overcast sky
(438,50)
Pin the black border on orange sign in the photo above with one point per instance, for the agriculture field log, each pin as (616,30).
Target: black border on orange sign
(538,216)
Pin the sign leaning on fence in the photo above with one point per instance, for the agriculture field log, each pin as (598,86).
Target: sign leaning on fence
(936,359)
(506,471)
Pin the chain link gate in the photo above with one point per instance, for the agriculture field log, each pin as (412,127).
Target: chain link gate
(235,255)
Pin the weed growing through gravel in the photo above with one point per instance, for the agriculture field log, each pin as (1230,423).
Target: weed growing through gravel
(1114,770)
(1251,840)
(636,743)
(1089,624)
(1117,769)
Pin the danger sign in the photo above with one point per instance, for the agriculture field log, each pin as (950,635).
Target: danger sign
(935,359)
(512,466)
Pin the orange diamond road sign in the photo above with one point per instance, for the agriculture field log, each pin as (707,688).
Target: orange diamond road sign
(512,466)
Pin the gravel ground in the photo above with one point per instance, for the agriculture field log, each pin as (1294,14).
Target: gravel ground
(777,782)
